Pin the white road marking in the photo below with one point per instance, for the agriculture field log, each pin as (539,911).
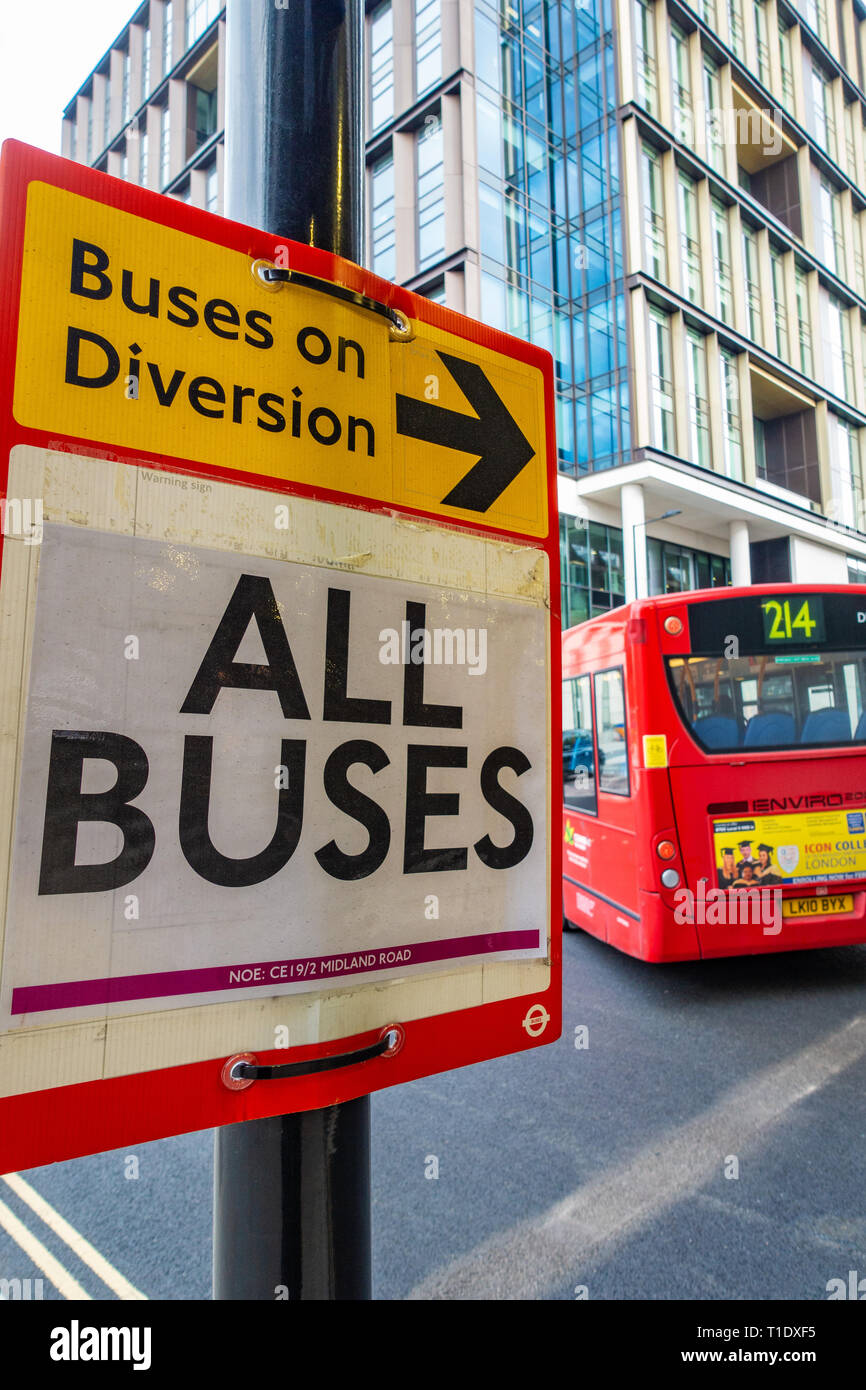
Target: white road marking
(534,1256)
(76,1242)
(42,1258)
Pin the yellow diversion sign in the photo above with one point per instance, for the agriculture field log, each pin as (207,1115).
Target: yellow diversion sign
(189,355)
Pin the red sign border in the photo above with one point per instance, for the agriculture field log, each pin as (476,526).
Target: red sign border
(70,1121)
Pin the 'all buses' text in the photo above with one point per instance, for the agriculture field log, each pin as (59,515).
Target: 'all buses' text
(95,363)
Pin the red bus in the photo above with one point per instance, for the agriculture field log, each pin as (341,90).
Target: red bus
(714,772)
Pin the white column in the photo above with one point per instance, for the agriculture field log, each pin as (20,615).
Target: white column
(633,541)
(741,563)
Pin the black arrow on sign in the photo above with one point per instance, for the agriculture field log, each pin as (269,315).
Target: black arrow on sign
(491,433)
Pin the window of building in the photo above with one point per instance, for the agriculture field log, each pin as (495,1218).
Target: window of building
(823,113)
(106,113)
(846,474)
(762,34)
(167,36)
(856,570)
(682,85)
(815,13)
(73,140)
(211,188)
(124,89)
(199,14)
(830,221)
(164,146)
(780,301)
(124,162)
(736,29)
(804,320)
(145,65)
(699,416)
(204,114)
(591,568)
(722,260)
(428,44)
(142,156)
(786,64)
(707,11)
(661,381)
(645,56)
(839,364)
(732,438)
(753,282)
(690,238)
(852,114)
(431,192)
(674,569)
(760,435)
(713,114)
(382,217)
(89,155)
(381,66)
(654,221)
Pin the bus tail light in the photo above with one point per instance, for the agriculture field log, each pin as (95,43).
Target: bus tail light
(635,632)
(666,849)
(673,626)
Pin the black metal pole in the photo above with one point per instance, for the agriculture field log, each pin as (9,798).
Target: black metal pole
(292,1206)
(295,120)
(292,1193)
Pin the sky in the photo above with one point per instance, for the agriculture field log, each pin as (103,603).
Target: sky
(47,48)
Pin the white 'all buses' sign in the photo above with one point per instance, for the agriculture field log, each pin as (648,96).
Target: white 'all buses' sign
(244,776)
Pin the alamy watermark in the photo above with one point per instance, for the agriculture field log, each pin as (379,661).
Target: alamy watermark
(22,518)
(731,125)
(443,646)
(730,907)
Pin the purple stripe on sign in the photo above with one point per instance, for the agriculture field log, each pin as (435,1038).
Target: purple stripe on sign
(73,994)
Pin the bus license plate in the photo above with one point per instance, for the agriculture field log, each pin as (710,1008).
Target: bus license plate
(825,906)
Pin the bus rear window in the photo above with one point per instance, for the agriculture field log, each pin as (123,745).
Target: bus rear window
(771,701)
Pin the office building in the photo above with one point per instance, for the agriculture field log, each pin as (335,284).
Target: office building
(671,199)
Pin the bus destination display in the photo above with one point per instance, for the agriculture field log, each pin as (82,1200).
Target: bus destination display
(766,623)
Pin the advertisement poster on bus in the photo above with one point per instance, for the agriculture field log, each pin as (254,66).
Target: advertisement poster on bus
(806,847)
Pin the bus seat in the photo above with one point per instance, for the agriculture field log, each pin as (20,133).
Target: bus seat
(767,730)
(717,731)
(860,731)
(827,726)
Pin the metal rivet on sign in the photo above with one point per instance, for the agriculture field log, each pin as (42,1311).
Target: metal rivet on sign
(228,1077)
(398,1037)
(401,328)
(259,267)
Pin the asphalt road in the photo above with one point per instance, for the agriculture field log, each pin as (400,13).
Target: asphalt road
(707,1144)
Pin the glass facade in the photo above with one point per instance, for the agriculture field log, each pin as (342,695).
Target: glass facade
(428,44)
(550,207)
(431,194)
(145,65)
(381,66)
(164,145)
(592,569)
(382,216)
(167,36)
(675,568)
(846,473)
(199,14)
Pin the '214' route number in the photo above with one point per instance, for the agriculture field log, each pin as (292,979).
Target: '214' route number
(783,625)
